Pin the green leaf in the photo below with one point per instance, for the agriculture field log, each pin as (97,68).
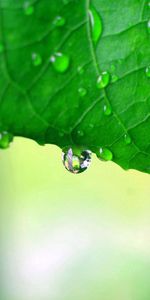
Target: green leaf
(76,73)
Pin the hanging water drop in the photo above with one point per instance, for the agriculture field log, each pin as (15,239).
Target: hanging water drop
(76,162)
(28,8)
(96,24)
(36,59)
(60,62)
(127,139)
(105,154)
(59,21)
(147,71)
(5,139)
(107,109)
(82,92)
(103,80)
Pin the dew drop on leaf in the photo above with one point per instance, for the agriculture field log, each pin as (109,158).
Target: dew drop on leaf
(5,139)
(91,125)
(107,109)
(65,2)
(76,163)
(61,133)
(80,133)
(112,67)
(114,78)
(103,80)
(82,92)
(80,70)
(59,21)
(60,62)
(28,8)
(148,71)
(127,139)
(36,59)
(105,154)
(96,24)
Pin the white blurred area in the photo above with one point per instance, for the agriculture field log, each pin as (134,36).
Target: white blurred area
(66,236)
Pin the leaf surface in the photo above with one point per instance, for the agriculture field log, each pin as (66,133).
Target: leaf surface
(66,108)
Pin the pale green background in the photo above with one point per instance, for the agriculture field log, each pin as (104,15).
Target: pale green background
(72,237)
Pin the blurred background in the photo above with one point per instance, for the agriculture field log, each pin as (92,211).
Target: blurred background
(71,237)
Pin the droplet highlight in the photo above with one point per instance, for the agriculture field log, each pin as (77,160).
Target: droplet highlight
(5,139)
(36,59)
(103,80)
(105,154)
(60,62)
(76,163)
(82,92)
(95,24)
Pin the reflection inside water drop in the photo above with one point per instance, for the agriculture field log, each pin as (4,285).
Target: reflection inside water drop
(76,163)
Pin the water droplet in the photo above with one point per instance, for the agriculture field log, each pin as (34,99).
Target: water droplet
(113,68)
(28,9)
(41,143)
(82,92)
(148,71)
(120,61)
(61,133)
(103,80)
(59,21)
(127,139)
(37,59)
(91,125)
(105,154)
(60,62)
(5,139)
(80,133)
(96,24)
(1,47)
(107,109)
(114,78)
(80,70)
(65,2)
(148,4)
(76,163)
(148,26)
